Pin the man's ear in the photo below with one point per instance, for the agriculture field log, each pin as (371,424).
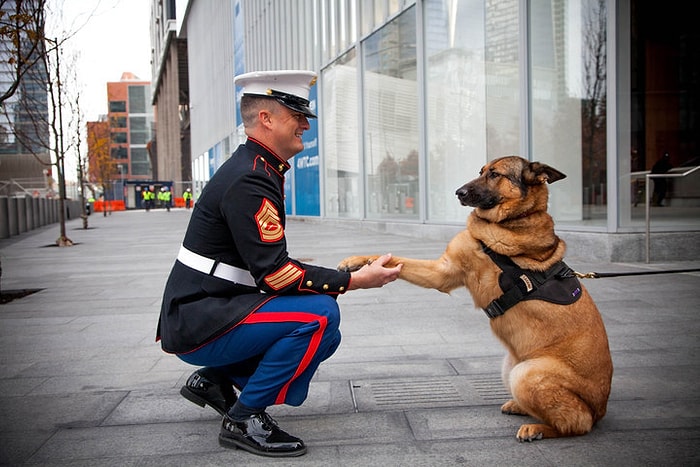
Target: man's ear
(265,117)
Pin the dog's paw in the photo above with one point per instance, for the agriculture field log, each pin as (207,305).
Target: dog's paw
(531,432)
(512,408)
(353,263)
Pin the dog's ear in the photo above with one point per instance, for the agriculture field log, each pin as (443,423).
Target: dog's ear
(536,173)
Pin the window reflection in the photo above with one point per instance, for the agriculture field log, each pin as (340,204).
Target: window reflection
(472,94)
(568,104)
(663,134)
(391,128)
(341,154)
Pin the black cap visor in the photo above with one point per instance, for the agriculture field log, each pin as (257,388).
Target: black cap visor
(295,103)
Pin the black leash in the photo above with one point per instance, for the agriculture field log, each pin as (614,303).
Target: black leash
(599,275)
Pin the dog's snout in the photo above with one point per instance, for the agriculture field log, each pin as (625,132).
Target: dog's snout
(463,194)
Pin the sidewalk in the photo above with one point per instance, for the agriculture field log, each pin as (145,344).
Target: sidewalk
(416,381)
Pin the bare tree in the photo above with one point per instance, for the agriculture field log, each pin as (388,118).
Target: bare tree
(22,33)
(594,104)
(75,137)
(42,116)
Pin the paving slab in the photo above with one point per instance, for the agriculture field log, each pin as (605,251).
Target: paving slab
(415,382)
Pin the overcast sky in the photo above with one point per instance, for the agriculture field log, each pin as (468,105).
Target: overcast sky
(112,38)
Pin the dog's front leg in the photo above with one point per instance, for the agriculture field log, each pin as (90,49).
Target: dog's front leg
(440,274)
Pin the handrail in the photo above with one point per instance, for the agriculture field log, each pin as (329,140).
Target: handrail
(647,208)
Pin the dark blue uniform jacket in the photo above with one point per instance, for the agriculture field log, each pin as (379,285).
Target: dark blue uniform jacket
(239,220)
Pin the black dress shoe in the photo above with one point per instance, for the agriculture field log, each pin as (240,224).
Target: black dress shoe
(202,391)
(260,435)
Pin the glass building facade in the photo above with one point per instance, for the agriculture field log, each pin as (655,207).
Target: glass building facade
(414,97)
(24,115)
(431,90)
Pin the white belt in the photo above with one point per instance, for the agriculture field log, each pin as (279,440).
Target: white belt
(211,267)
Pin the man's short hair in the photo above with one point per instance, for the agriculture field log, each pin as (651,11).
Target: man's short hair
(251,105)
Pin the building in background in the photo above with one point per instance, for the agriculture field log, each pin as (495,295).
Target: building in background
(121,150)
(170,97)
(25,160)
(130,116)
(414,96)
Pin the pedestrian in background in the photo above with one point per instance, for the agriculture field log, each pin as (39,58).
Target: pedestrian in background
(187,195)
(148,197)
(166,197)
(662,166)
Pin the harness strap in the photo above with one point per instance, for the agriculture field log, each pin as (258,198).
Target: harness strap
(525,283)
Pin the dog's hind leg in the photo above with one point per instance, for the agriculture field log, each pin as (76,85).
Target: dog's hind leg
(539,389)
(511,407)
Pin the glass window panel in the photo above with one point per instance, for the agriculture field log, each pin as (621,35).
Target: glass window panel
(472,98)
(391,109)
(661,85)
(341,155)
(138,127)
(367,18)
(118,122)
(568,102)
(379,12)
(139,155)
(117,106)
(119,152)
(140,168)
(137,99)
(502,68)
(119,137)
(394,6)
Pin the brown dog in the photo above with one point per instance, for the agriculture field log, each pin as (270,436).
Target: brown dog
(558,366)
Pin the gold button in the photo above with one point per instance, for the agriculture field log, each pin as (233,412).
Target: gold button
(262,158)
(325,286)
(309,283)
(281,167)
(342,289)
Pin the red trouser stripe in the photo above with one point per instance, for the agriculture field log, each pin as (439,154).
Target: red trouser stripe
(277,317)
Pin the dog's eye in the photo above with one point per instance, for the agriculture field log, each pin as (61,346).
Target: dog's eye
(494,175)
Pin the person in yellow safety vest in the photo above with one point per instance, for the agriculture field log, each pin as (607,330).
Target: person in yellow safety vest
(187,195)
(148,196)
(166,197)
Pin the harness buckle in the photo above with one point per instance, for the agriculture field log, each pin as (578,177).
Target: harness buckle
(494,309)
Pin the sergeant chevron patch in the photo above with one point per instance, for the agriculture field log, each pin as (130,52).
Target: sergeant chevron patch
(269,224)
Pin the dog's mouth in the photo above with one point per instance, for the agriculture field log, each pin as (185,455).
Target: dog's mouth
(468,196)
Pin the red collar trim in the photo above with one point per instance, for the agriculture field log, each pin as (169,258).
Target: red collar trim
(286,164)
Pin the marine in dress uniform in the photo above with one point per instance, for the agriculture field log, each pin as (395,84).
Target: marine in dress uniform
(235,302)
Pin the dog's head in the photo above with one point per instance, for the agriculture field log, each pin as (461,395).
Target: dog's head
(509,187)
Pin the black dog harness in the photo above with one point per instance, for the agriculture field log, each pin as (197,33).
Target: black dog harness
(558,284)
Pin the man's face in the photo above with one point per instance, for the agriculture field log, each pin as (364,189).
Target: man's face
(288,126)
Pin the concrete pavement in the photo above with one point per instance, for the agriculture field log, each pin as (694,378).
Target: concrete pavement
(415,382)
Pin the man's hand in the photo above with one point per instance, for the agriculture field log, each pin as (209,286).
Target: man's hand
(375,274)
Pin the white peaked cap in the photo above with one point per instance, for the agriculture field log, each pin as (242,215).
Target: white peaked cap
(289,87)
